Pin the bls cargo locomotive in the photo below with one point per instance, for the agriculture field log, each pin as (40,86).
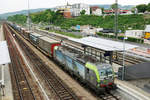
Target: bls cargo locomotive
(86,68)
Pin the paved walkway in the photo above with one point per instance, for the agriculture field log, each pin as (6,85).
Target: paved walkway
(7,80)
(132,90)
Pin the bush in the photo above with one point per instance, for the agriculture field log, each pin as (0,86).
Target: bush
(131,39)
(67,34)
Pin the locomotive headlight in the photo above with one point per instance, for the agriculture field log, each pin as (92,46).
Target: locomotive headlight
(110,76)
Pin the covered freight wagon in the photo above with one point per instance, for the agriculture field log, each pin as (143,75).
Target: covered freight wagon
(26,33)
(48,44)
(34,38)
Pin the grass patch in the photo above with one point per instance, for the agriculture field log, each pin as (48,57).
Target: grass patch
(65,33)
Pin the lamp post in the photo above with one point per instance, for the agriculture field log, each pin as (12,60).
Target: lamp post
(123,71)
(116,19)
(28,19)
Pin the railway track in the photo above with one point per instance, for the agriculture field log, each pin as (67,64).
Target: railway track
(129,60)
(21,87)
(60,89)
(52,82)
(108,96)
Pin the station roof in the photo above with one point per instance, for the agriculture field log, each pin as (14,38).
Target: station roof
(103,44)
(4,54)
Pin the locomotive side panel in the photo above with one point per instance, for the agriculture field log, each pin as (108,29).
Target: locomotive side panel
(79,69)
(59,56)
(69,63)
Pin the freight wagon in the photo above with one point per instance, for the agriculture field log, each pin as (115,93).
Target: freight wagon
(26,34)
(34,38)
(48,45)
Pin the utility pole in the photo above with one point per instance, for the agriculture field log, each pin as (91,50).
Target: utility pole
(28,19)
(116,19)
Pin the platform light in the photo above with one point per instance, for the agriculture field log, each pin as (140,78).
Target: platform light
(124,38)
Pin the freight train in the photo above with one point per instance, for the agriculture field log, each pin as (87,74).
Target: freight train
(99,76)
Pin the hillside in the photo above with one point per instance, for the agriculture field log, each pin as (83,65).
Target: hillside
(5,15)
(105,6)
(124,21)
(48,16)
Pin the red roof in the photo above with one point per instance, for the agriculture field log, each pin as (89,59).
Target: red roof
(110,11)
(94,8)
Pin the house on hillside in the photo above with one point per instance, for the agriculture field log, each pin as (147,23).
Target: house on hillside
(135,33)
(65,10)
(77,8)
(96,10)
(73,10)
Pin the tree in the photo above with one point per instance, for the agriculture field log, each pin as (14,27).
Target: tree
(134,10)
(102,10)
(90,10)
(19,18)
(83,12)
(141,8)
(148,7)
(114,6)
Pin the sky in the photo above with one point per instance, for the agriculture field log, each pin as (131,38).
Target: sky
(17,5)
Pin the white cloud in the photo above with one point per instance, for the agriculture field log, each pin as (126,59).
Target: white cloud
(15,5)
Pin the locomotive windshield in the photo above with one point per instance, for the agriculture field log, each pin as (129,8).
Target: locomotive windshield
(105,72)
(109,71)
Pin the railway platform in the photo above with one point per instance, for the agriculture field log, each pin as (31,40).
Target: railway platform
(7,79)
(132,90)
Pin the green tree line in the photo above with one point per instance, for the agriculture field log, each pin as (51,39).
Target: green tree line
(50,17)
(143,7)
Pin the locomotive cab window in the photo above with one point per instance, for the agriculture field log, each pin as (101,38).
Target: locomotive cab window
(88,70)
(102,72)
(109,71)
